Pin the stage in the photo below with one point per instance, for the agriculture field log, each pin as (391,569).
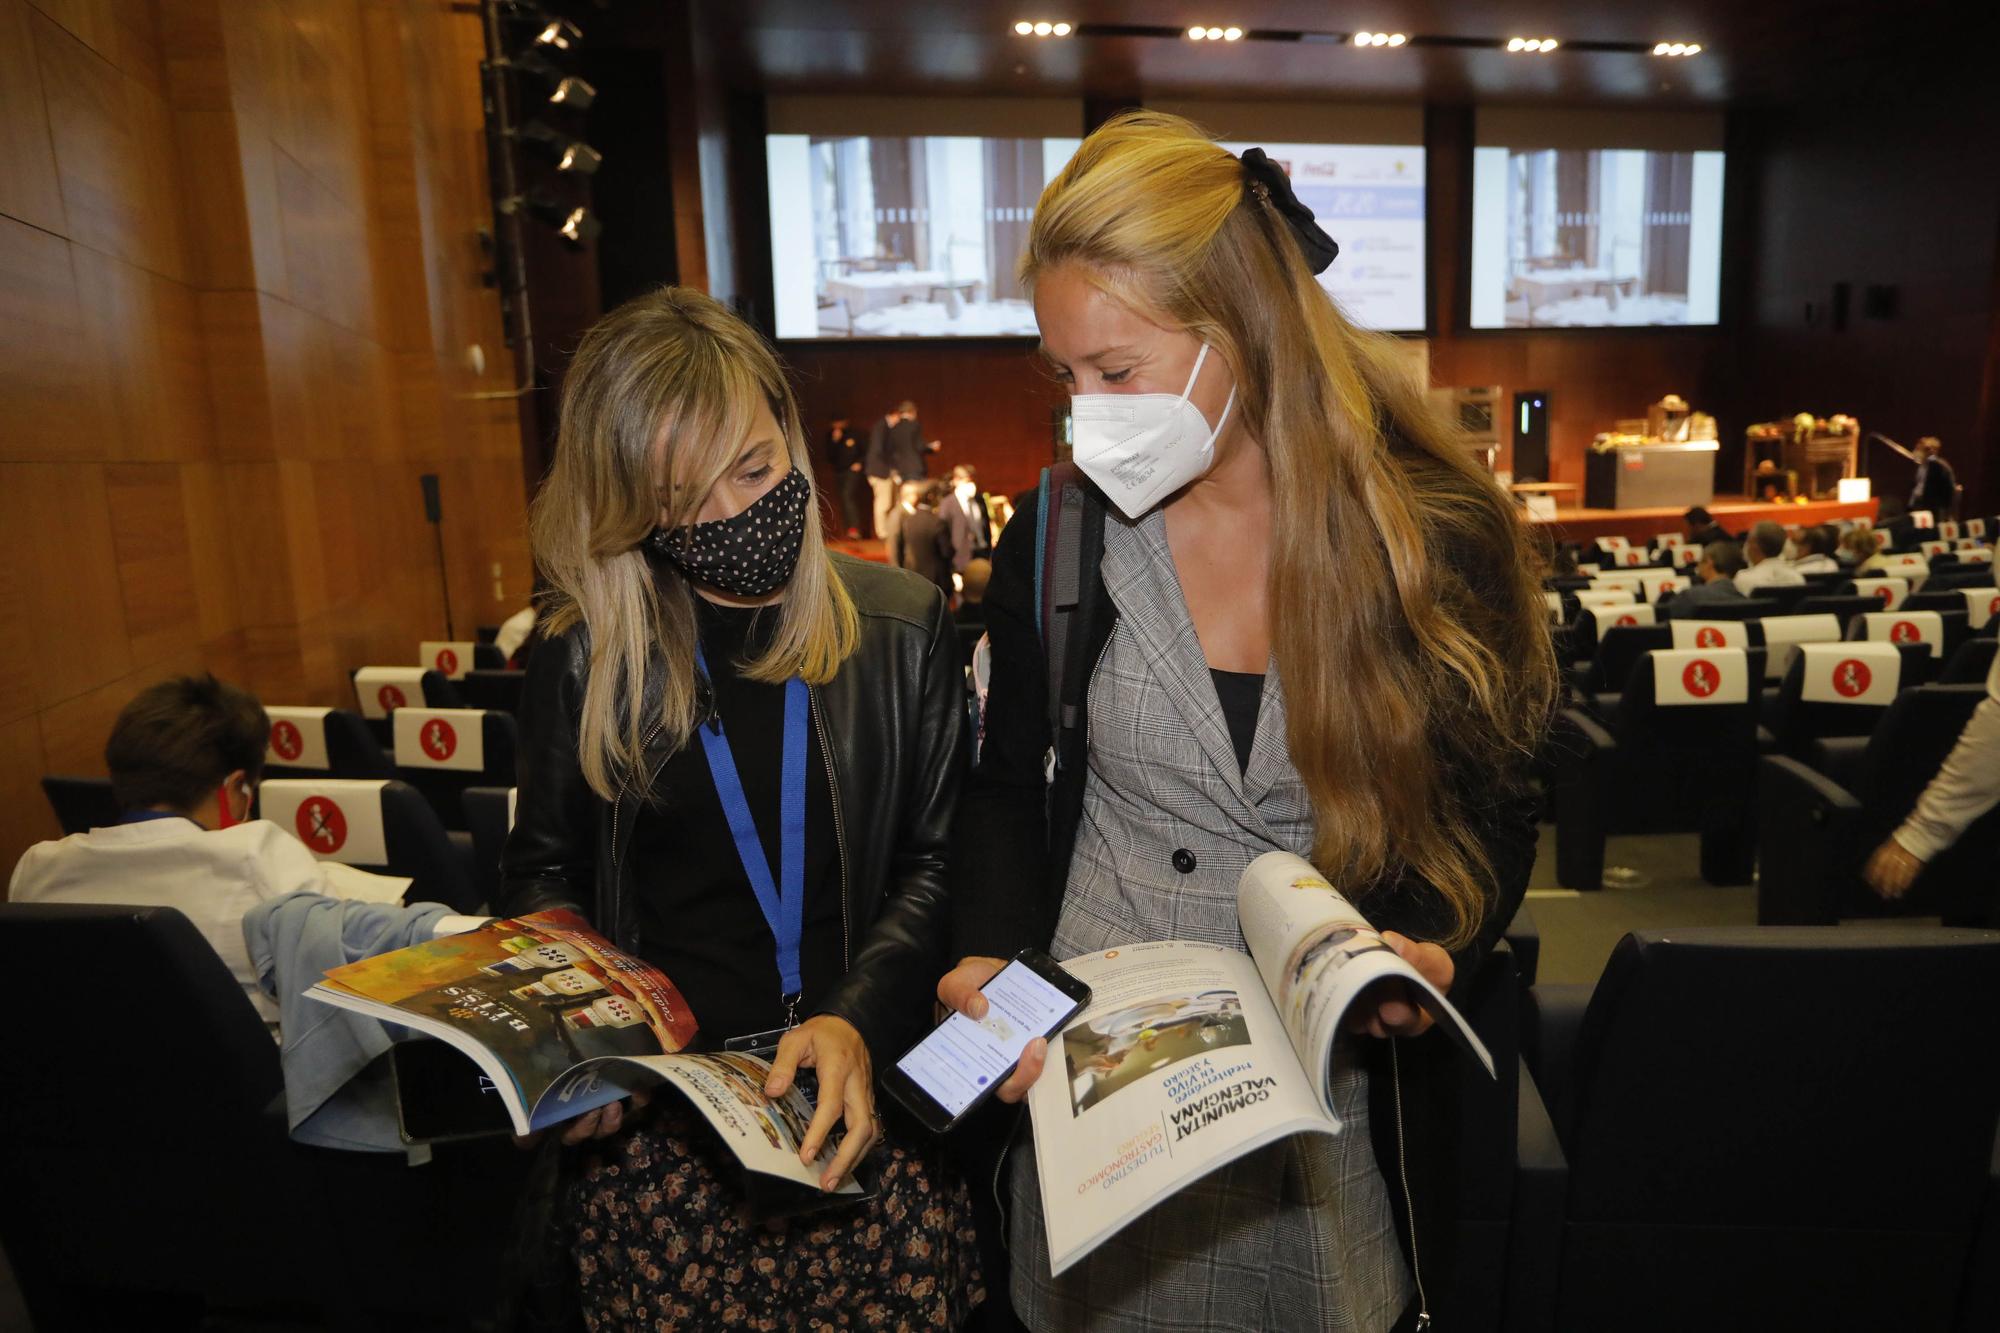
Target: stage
(1734,512)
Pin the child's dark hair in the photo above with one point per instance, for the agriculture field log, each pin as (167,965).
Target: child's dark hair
(177,740)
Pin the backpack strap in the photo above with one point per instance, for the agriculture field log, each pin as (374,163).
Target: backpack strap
(1068,541)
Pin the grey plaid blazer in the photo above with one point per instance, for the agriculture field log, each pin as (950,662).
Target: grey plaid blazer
(1298,1235)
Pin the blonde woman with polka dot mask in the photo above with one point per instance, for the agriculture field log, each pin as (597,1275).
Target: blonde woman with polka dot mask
(740,755)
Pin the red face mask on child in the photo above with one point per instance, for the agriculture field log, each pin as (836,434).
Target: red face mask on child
(224,816)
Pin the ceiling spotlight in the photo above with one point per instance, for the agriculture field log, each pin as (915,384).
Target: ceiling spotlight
(1531,45)
(1215,34)
(578,227)
(1363,38)
(560,34)
(1231,34)
(1694,49)
(1397,39)
(1548,43)
(569,154)
(1044,28)
(1516,43)
(1196,33)
(1023,28)
(574,93)
(573,222)
(1062,30)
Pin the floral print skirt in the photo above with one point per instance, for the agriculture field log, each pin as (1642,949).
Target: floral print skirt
(661,1240)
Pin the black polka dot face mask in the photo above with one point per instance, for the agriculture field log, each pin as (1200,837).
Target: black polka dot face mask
(752,554)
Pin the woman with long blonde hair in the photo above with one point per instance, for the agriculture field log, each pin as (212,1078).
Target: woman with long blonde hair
(1302,618)
(740,754)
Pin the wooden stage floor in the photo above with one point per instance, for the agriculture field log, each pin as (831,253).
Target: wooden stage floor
(1734,512)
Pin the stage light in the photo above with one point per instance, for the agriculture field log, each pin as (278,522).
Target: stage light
(1231,34)
(1515,43)
(1531,45)
(1196,33)
(569,153)
(579,228)
(1044,28)
(1023,28)
(1214,34)
(1694,49)
(573,222)
(1676,48)
(1397,39)
(1063,30)
(560,34)
(574,93)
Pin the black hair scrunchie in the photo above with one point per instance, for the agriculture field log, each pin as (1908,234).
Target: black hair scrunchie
(1318,248)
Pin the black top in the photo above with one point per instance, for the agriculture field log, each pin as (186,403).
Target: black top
(1241,694)
(698,918)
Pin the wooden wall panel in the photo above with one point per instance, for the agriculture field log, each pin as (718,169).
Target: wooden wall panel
(236,296)
(28,188)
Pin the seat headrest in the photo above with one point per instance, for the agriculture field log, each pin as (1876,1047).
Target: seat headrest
(337,819)
(1905,627)
(1781,633)
(1693,676)
(1981,605)
(447,738)
(297,739)
(1632,613)
(381,690)
(1890,591)
(450,658)
(1711,633)
(1850,673)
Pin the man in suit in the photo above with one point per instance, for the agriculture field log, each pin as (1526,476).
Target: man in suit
(1714,584)
(921,541)
(1935,487)
(847,457)
(965,514)
(896,450)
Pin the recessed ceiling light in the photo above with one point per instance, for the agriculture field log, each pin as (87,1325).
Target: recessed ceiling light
(1231,34)
(1044,28)
(1196,33)
(1397,39)
(1062,29)
(1024,28)
(1214,34)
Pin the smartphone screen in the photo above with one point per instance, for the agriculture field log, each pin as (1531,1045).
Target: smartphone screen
(962,1057)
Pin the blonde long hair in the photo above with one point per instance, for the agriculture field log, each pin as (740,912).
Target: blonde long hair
(1388,544)
(677,364)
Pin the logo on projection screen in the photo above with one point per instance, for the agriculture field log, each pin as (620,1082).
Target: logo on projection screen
(390,697)
(1701,678)
(286,742)
(1852,678)
(439,740)
(321,825)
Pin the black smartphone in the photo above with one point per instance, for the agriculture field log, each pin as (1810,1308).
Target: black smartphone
(961,1062)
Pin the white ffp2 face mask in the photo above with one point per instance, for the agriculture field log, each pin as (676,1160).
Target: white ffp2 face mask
(1142,447)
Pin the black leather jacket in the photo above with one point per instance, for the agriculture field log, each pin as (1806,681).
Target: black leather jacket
(892,726)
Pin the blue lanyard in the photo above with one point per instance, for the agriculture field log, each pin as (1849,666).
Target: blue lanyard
(783,912)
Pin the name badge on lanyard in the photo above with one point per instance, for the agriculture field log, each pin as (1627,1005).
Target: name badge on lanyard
(782,898)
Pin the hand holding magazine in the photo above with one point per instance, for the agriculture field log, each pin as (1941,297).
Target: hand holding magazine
(559,1021)
(1192,1055)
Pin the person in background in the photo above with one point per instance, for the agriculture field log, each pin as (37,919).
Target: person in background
(1935,487)
(971,609)
(923,540)
(1860,549)
(514,633)
(1816,547)
(1702,527)
(966,515)
(1768,568)
(847,456)
(1965,788)
(185,757)
(896,449)
(1714,583)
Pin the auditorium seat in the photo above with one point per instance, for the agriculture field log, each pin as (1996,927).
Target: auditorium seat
(1782,599)
(1970,664)
(323,743)
(452,658)
(1889,592)
(1845,607)
(1780,633)
(1679,758)
(498,690)
(81,804)
(1815,830)
(489,816)
(381,690)
(200,1211)
(387,827)
(442,751)
(1778,1129)
(1840,689)
(1939,631)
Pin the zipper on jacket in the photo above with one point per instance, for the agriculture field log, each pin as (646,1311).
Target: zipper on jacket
(1403,1175)
(839,835)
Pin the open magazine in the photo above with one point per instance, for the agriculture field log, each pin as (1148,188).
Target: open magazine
(559,1021)
(1192,1055)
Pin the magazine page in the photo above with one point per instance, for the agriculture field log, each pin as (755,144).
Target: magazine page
(1179,1065)
(528,999)
(727,1087)
(1316,954)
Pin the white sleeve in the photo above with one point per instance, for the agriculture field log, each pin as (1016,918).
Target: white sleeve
(1966,787)
(280,863)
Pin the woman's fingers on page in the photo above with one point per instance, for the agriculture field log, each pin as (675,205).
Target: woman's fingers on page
(862,1129)
(832,1073)
(792,1048)
(1032,1057)
(581,1128)
(959,989)
(1433,964)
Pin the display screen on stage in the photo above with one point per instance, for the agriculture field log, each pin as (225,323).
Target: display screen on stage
(1595,237)
(1370,199)
(904,237)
